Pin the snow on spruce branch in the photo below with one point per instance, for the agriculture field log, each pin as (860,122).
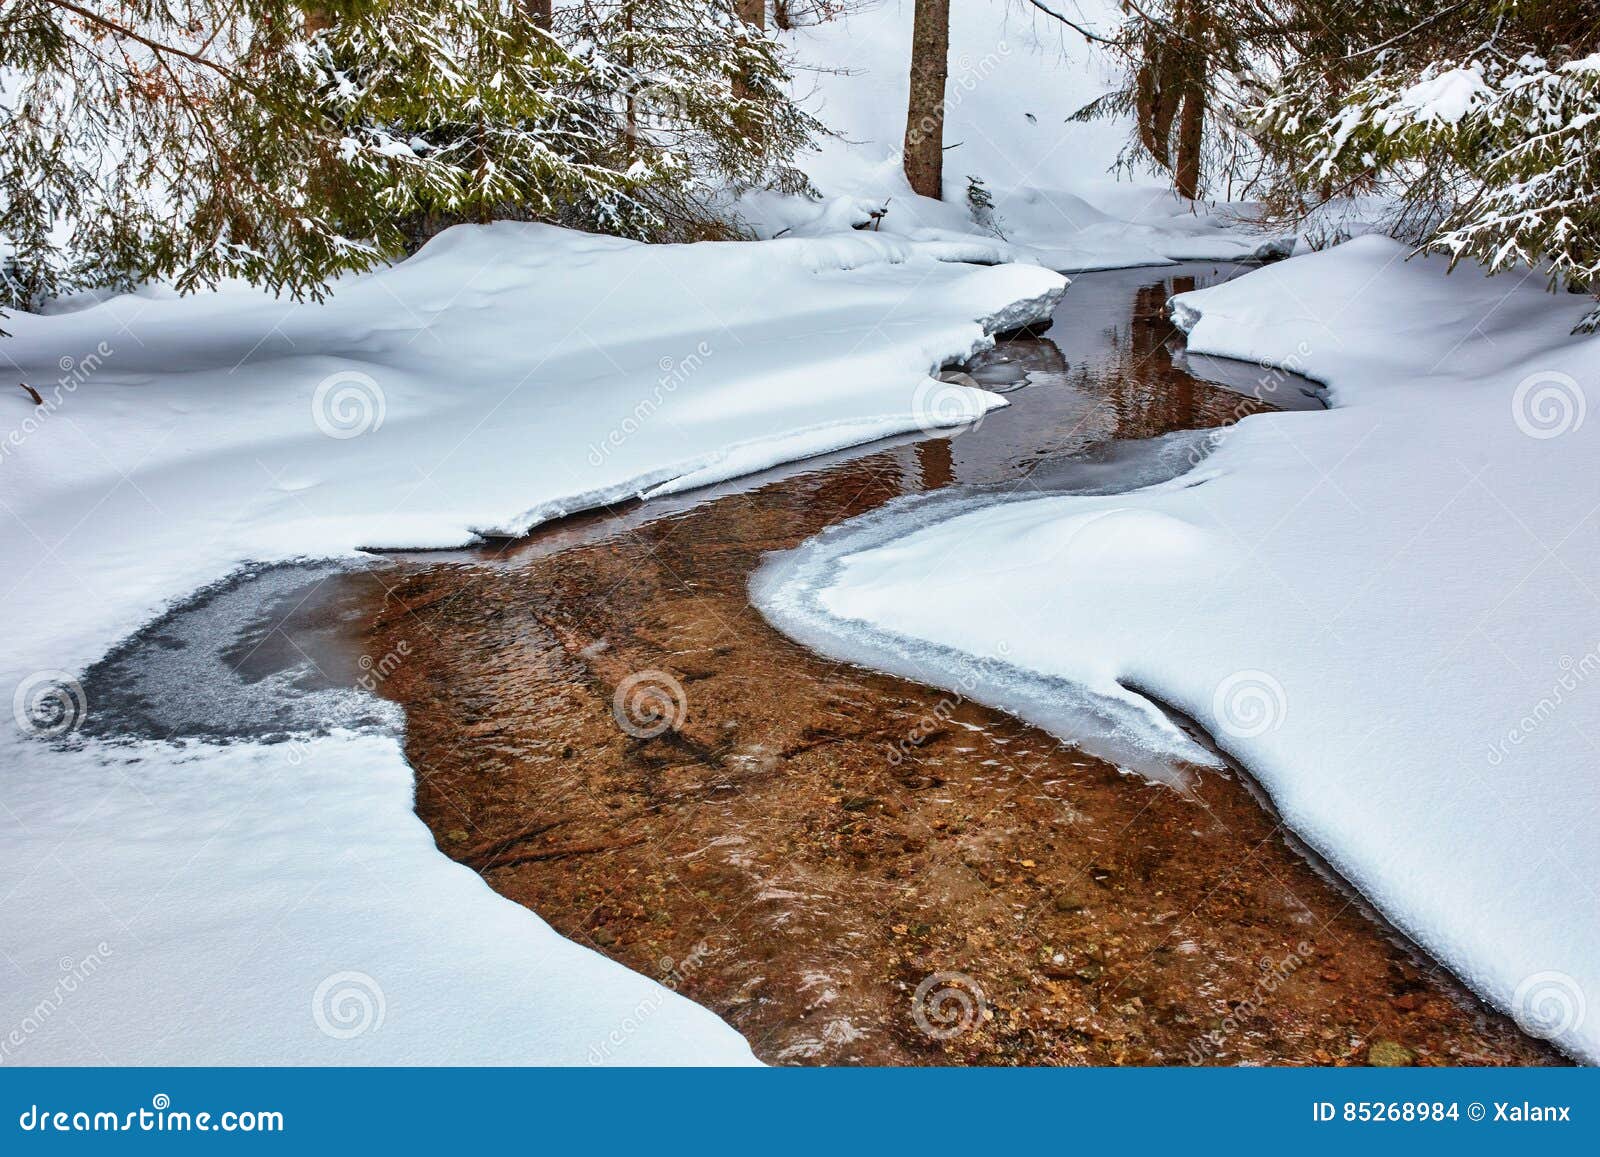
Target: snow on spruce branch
(283,142)
(1506,149)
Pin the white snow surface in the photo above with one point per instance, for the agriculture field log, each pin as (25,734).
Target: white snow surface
(255,903)
(1387,611)
(1015,77)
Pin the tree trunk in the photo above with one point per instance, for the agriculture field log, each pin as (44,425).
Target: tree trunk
(1191,123)
(1192,117)
(543,12)
(930,53)
(753,13)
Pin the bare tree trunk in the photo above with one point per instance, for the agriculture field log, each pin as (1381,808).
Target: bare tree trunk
(1191,123)
(930,63)
(1192,117)
(543,12)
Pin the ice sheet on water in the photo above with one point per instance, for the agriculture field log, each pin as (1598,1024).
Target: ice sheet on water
(250,657)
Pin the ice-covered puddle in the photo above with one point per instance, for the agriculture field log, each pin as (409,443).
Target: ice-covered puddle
(826,856)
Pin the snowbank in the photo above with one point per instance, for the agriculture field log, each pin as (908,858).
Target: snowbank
(1016,76)
(1386,611)
(259,903)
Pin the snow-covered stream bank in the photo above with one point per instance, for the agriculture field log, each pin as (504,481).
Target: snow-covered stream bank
(709,856)
(163,903)
(1385,611)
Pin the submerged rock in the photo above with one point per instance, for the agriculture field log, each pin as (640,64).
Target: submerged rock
(1388,1054)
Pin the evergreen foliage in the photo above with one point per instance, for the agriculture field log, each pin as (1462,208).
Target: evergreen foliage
(285,142)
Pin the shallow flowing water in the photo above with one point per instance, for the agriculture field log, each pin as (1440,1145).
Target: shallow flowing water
(846,866)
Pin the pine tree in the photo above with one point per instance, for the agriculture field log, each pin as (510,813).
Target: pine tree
(461,111)
(1478,120)
(695,100)
(1484,126)
(284,142)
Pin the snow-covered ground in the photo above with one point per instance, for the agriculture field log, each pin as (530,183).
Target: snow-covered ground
(1016,77)
(1387,611)
(167,903)
(282,903)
